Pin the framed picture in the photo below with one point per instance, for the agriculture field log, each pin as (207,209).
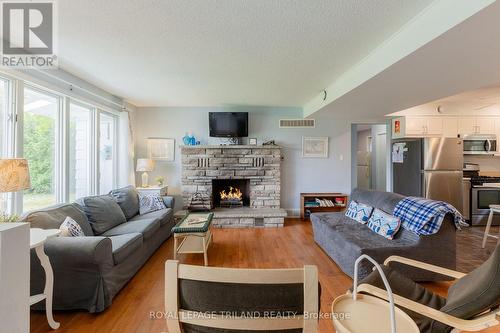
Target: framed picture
(252,141)
(161,149)
(314,147)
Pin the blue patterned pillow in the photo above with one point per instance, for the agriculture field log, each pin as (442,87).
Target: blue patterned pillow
(359,212)
(150,203)
(384,224)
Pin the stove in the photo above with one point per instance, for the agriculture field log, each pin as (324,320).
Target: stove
(483,180)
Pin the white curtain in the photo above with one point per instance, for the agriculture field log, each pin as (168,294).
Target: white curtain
(126,174)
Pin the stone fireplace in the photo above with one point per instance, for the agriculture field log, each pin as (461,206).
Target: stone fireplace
(255,171)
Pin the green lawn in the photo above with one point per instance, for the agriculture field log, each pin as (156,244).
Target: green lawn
(37,200)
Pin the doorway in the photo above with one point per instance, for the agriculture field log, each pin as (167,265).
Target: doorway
(370,159)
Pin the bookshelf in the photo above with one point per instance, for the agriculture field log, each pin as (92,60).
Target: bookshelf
(320,202)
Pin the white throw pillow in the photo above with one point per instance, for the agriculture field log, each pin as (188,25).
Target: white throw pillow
(149,203)
(70,228)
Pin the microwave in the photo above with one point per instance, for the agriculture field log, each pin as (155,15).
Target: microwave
(475,144)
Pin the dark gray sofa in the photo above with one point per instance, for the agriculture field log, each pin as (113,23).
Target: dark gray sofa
(89,271)
(344,240)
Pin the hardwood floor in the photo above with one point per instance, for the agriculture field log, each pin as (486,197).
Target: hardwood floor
(291,246)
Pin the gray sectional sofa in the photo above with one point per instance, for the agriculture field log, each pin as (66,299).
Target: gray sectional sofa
(89,271)
(344,240)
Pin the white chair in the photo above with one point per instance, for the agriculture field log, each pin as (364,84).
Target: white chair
(493,209)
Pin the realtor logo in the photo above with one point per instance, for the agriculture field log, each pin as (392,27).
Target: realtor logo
(28,34)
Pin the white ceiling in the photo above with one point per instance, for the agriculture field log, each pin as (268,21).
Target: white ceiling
(464,59)
(219,52)
(483,100)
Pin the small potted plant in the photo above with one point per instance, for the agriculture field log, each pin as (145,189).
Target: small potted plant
(160,180)
(6,218)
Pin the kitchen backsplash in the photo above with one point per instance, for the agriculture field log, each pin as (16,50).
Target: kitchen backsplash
(487,164)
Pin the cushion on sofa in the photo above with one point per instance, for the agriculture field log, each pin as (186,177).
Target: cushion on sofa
(70,228)
(359,211)
(102,212)
(52,217)
(150,203)
(128,200)
(384,224)
(163,215)
(146,227)
(125,245)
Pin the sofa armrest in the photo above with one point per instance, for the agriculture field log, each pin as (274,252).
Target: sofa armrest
(169,201)
(78,251)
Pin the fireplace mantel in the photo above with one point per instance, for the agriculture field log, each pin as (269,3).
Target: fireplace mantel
(261,165)
(232,146)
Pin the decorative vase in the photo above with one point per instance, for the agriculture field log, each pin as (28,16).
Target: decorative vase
(186,139)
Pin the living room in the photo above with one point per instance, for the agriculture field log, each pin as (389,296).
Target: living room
(237,166)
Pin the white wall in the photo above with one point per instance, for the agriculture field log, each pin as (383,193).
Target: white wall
(298,174)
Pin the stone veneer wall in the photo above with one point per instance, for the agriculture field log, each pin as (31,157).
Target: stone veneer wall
(259,164)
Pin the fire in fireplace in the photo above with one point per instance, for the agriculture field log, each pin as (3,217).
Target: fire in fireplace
(230,193)
(231,198)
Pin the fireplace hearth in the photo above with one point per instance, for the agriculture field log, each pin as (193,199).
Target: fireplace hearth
(230,193)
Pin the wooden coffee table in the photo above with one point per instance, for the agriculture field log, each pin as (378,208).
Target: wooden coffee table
(194,234)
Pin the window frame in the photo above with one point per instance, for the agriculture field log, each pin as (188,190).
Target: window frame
(59,142)
(92,146)
(114,116)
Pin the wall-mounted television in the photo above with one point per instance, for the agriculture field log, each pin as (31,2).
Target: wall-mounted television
(228,124)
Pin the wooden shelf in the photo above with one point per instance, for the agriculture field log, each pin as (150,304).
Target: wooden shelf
(309,197)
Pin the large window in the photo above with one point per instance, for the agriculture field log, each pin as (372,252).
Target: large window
(40,131)
(5,133)
(107,152)
(80,150)
(71,145)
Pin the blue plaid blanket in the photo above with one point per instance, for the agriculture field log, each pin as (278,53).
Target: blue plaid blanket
(424,216)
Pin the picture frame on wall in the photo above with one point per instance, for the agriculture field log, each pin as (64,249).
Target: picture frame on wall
(252,141)
(161,149)
(314,147)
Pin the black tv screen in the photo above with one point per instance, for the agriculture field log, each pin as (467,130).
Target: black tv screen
(228,124)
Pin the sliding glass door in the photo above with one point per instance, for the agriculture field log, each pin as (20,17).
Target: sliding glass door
(40,129)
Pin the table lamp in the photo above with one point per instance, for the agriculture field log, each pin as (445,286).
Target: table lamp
(145,165)
(14,176)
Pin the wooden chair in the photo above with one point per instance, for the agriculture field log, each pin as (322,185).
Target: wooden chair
(211,299)
(472,303)
(493,209)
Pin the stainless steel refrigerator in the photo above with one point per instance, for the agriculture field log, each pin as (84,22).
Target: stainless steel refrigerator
(429,168)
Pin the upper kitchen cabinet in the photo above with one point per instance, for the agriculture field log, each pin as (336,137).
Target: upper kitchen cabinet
(415,126)
(476,125)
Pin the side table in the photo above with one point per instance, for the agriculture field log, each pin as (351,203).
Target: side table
(194,234)
(37,240)
(161,191)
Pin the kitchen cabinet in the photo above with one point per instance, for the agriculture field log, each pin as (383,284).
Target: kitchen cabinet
(417,126)
(450,127)
(445,126)
(476,125)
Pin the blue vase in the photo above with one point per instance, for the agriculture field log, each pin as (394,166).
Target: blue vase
(186,139)
(192,141)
